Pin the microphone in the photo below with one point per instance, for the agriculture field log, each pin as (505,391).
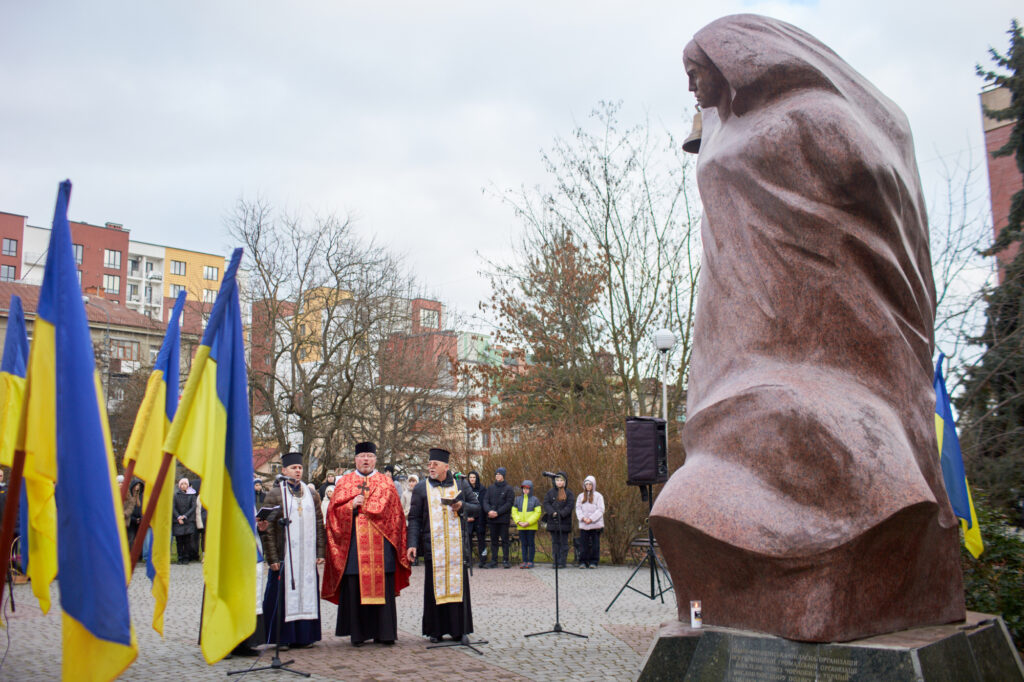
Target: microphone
(550,474)
(281,478)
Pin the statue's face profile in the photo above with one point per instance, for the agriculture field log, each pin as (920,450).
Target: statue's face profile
(706,82)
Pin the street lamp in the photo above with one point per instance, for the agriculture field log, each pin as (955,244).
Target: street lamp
(664,339)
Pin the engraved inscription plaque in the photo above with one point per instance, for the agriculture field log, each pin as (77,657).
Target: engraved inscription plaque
(764,661)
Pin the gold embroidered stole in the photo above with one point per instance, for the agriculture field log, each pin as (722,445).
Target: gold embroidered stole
(445,545)
(370,552)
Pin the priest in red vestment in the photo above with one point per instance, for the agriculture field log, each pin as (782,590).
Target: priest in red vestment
(367,565)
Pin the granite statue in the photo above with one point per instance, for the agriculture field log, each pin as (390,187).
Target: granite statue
(811,503)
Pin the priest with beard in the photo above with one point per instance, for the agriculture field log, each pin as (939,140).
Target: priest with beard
(296,551)
(367,565)
(439,503)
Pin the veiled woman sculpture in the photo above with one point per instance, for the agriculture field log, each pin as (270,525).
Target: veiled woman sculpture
(811,503)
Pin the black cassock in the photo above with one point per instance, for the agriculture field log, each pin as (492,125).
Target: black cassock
(359,621)
(444,619)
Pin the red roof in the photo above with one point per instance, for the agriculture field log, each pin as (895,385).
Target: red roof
(97,309)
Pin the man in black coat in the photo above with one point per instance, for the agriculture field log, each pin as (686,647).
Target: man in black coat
(497,505)
(447,501)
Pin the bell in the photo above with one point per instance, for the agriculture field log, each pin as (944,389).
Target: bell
(692,142)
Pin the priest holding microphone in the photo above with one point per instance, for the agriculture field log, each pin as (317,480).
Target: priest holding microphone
(367,564)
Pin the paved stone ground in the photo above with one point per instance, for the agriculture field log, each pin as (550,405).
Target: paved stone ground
(507,604)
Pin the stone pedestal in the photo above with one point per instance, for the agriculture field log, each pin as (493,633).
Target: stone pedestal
(977,650)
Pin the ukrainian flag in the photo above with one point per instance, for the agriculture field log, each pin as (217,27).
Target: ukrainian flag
(65,429)
(38,507)
(12,401)
(12,381)
(146,448)
(211,436)
(952,463)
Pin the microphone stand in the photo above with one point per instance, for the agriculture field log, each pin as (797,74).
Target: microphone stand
(464,641)
(557,629)
(275,663)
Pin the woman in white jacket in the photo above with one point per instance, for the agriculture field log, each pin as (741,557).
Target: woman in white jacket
(590,512)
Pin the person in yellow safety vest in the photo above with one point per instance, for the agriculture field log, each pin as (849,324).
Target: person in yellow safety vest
(526,513)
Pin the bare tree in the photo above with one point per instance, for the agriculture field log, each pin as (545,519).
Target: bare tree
(325,305)
(621,208)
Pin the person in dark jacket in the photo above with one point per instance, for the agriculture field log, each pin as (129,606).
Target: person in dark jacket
(497,506)
(450,616)
(183,527)
(559,505)
(477,525)
(258,493)
(133,510)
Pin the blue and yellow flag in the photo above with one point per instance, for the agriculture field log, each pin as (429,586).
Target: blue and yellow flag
(65,430)
(146,447)
(12,402)
(952,463)
(12,380)
(211,436)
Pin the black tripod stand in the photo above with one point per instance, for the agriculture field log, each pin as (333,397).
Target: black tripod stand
(275,663)
(650,558)
(557,629)
(466,551)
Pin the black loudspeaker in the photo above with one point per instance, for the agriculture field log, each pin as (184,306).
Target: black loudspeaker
(646,451)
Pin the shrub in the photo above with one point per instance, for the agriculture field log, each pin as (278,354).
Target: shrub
(994,582)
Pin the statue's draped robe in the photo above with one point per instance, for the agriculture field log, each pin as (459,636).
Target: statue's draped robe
(811,501)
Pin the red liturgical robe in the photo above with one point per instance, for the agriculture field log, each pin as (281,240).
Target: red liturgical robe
(380,518)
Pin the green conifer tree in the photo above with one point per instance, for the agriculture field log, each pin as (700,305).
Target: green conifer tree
(992,402)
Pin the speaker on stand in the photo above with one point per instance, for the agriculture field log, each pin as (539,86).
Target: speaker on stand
(647,465)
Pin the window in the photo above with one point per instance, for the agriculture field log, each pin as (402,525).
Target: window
(111,259)
(8,273)
(133,267)
(149,266)
(79,278)
(111,284)
(430,319)
(10,247)
(124,350)
(209,295)
(210,272)
(149,293)
(133,292)
(79,249)
(176,289)
(485,439)
(178,267)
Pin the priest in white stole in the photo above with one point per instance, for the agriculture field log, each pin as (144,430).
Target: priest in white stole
(298,552)
(439,504)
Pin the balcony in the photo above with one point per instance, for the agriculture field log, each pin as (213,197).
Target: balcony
(154,274)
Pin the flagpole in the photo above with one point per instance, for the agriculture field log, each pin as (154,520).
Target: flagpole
(126,484)
(154,496)
(10,514)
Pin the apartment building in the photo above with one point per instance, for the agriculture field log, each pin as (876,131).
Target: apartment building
(1004,178)
(141,276)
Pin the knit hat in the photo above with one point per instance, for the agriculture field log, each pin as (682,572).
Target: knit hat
(502,471)
(527,484)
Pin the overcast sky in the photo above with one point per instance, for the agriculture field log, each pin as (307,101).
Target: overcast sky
(163,114)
